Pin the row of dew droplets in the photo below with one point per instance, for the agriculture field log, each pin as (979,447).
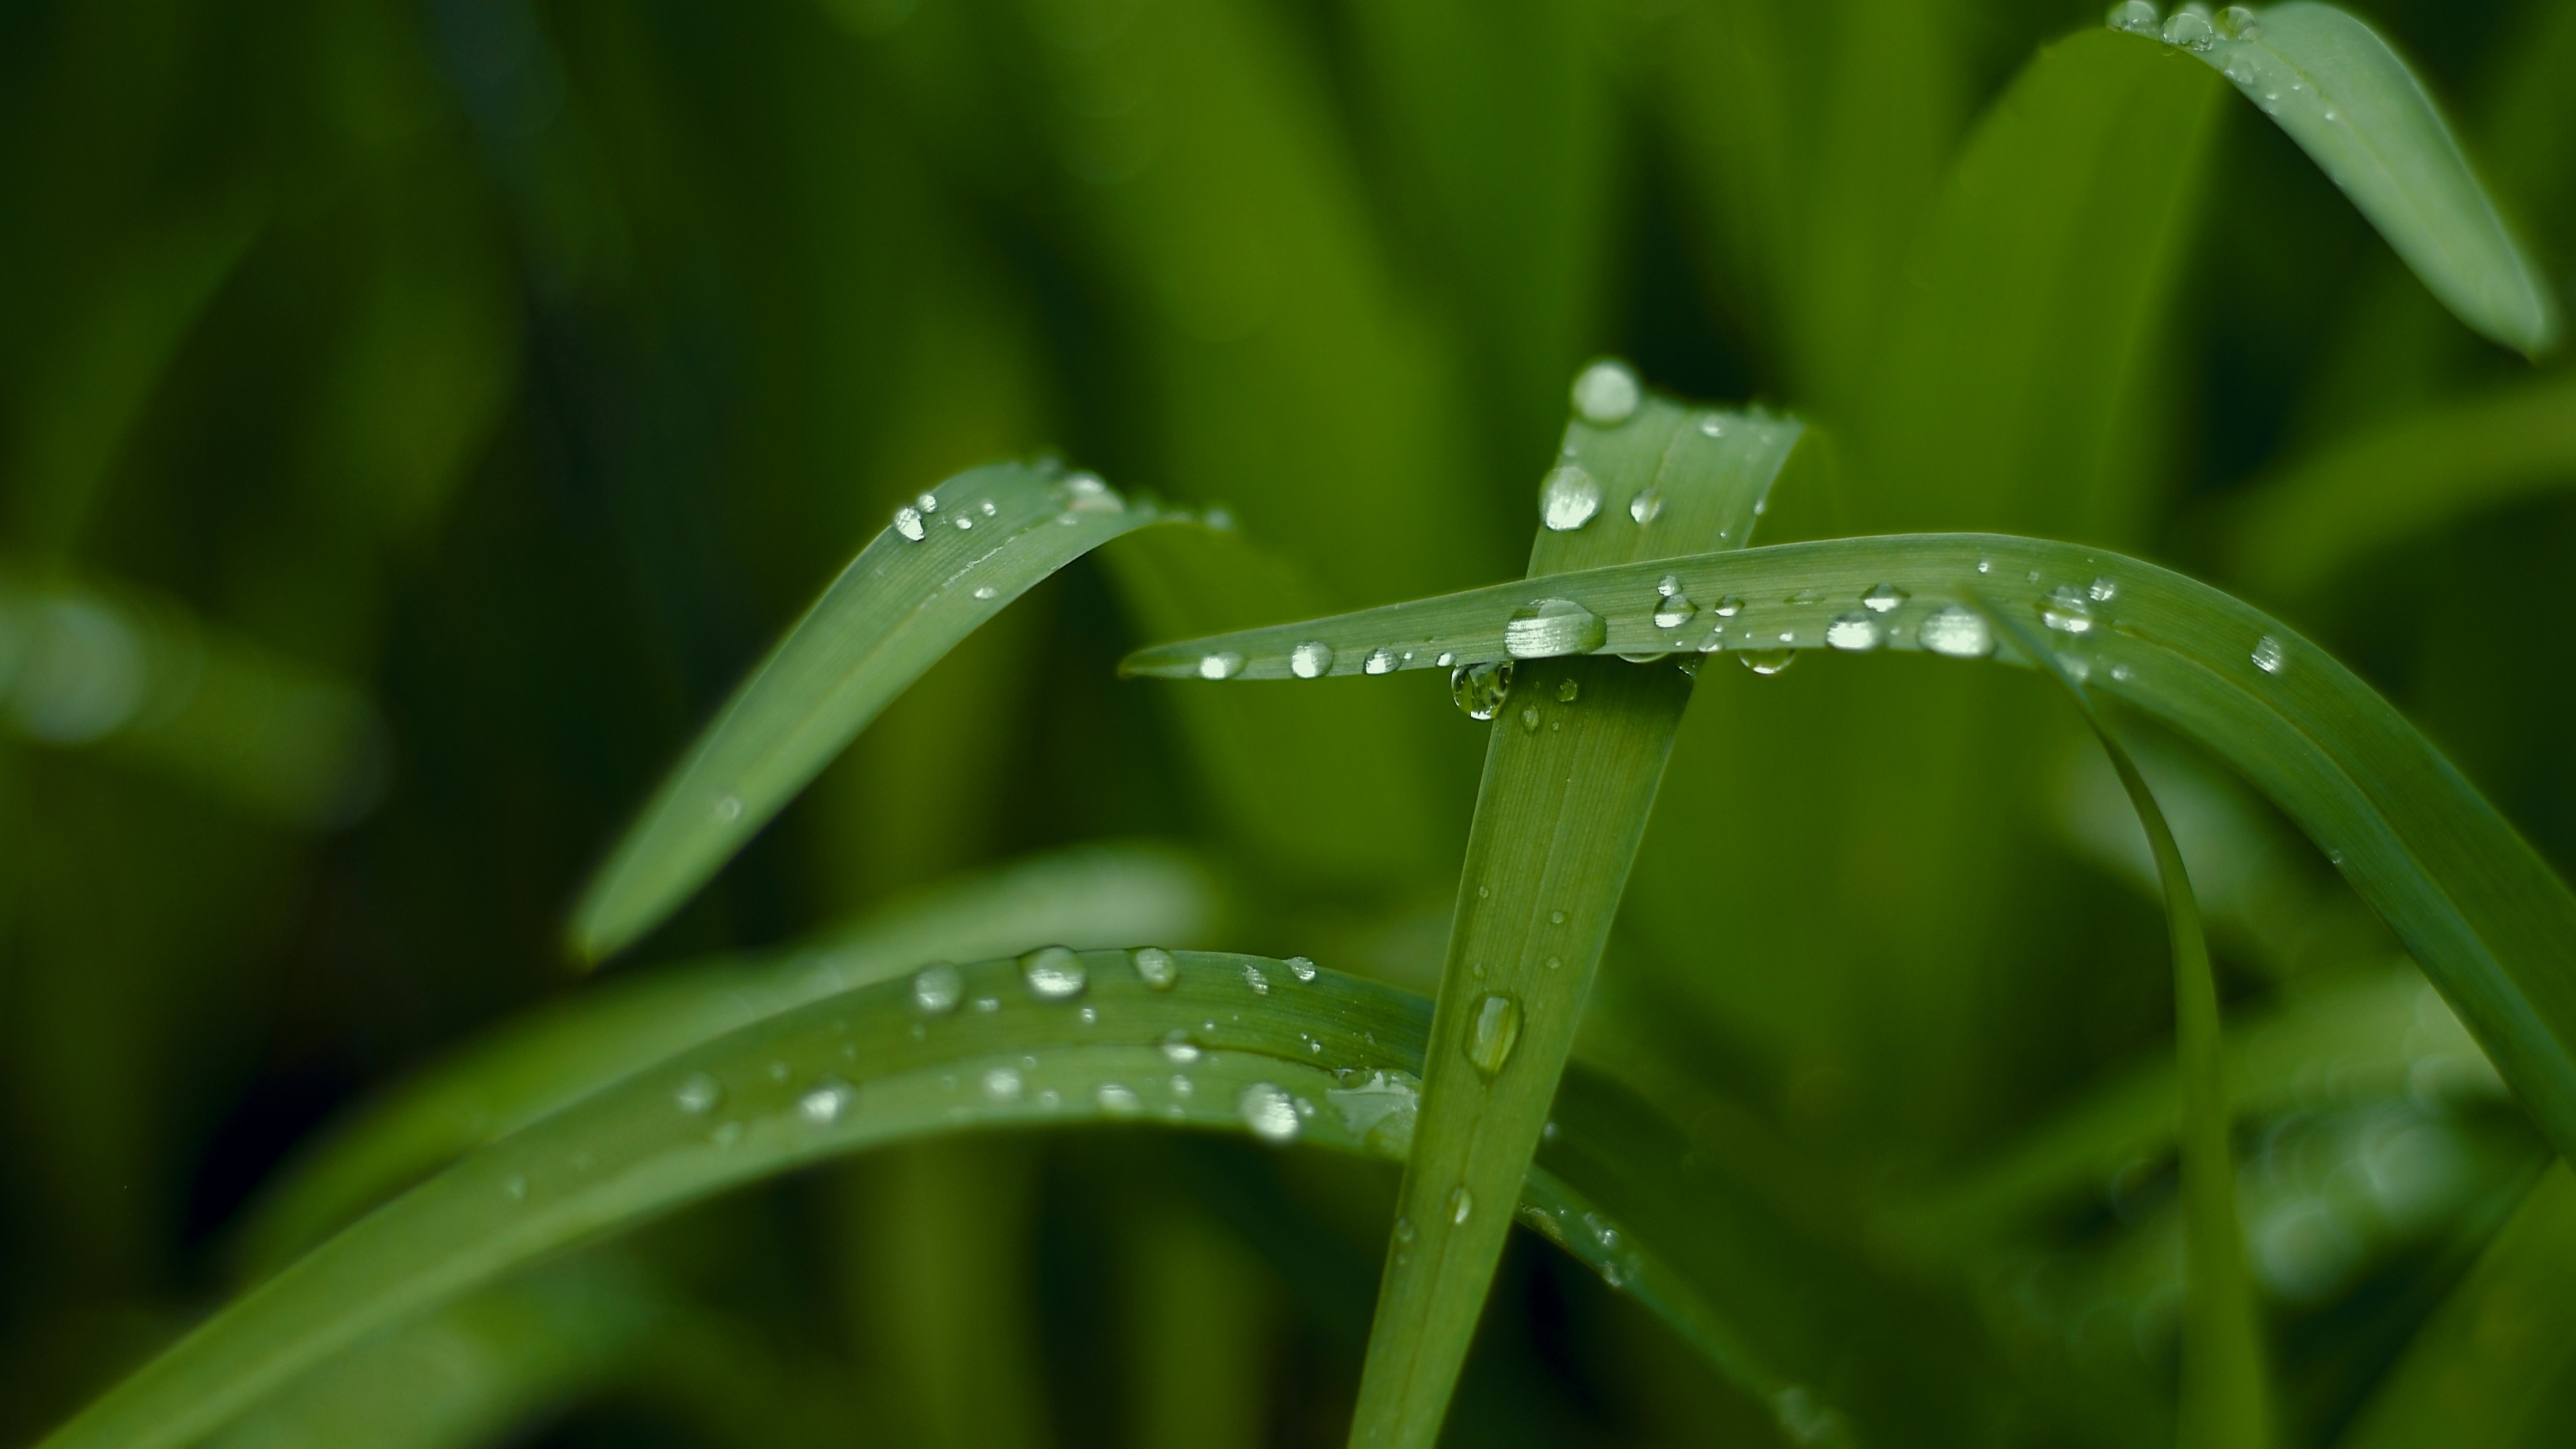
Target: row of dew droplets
(1076,494)
(2190,27)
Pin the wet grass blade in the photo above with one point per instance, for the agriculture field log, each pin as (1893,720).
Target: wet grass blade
(2340,92)
(1279,1049)
(2487,918)
(538,1064)
(930,579)
(2222,1397)
(1575,756)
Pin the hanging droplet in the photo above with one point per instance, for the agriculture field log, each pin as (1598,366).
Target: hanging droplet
(2134,16)
(1381,660)
(1002,1084)
(1606,394)
(1492,1031)
(1645,506)
(1957,631)
(1178,1048)
(1884,599)
(1550,628)
(1480,689)
(1766,662)
(1567,691)
(698,1094)
(1224,664)
(907,521)
(2268,655)
(2190,29)
(1568,498)
(823,1105)
(1159,968)
(1269,1112)
(1855,632)
(936,989)
(1461,1205)
(1054,973)
(1300,967)
(1311,660)
(2067,610)
(1676,611)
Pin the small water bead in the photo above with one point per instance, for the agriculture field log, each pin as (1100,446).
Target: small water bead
(1462,1205)
(1480,689)
(2238,69)
(778,1071)
(2102,590)
(2067,610)
(1713,426)
(907,521)
(1556,918)
(1492,1032)
(2137,17)
(1529,719)
(1728,607)
(964,522)
(1445,659)
(1606,394)
(1884,599)
(1958,632)
(1085,493)
(1159,968)
(698,1094)
(1311,660)
(1568,498)
(515,1188)
(2268,654)
(1381,660)
(1178,1048)
(936,989)
(1300,967)
(1269,1112)
(1088,1016)
(1253,978)
(2237,22)
(1118,1101)
(1054,973)
(1675,611)
(1767,662)
(928,502)
(987,591)
(2190,29)
(1224,664)
(1002,1084)
(1854,632)
(988,1004)
(1645,506)
(1552,628)
(824,1105)
(728,808)
(726,1134)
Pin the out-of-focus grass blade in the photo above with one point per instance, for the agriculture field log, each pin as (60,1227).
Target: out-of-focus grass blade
(1280,1049)
(2298,532)
(1571,769)
(2492,924)
(539,1063)
(2493,1365)
(2223,1397)
(943,567)
(2338,90)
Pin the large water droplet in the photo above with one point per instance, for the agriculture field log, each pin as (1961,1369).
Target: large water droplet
(1002,1084)
(1766,662)
(698,1094)
(1480,689)
(1550,628)
(1381,660)
(1160,969)
(1054,973)
(1269,1112)
(1492,1031)
(2268,655)
(2238,69)
(2134,16)
(1224,664)
(2189,28)
(2067,610)
(824,1105)
(1311,660)
(2237,22)
(1568,498)
(1957,631)
(1645,506)
(1855,631)
(936,989)
(1883,599)
(1462,1204)
(1606,394)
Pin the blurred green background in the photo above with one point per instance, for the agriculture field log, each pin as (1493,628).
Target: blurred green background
(415,417)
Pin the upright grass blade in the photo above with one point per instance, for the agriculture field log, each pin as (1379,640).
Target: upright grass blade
(1282,1050)
(2492,925)
(2300,531)
(2493,1364)
(2338,90)
(2222,1398)
(538,1064)
(1575,755)
(946,565)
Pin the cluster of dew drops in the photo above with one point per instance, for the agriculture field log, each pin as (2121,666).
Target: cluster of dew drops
(2189,27)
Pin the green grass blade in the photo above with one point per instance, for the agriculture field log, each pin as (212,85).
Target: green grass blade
(2222,1395)
(540,1063)
(2337,89)
(2488,919)
(1571,769)
(2493,1365)
(2295,534)
(901,604)
(1282,1050)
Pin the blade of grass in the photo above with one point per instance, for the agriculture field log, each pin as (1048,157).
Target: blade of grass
(540,1063)
(1571,769)
(2489,920)
(1283,1050)
(2337,89)
(2222,1396)
(931,578)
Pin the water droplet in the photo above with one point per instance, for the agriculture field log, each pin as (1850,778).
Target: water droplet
(1568,499)
(1118,1101)
(1269,1112)
(823,1105)
(2102,590)
(698,1094)
(1480,689)
(1054,973)
(988,1004)
(936,988)
(2134,16)
(1085,493)
(728,808)
(2238,69)
(778,1071)
(1676,611)
(1178,1047)
(1713,426)
(1728,607)
(2267,654)
(1957,631)
(1556,918)
(1606,394)
(1089,1016)
(1002,1084)
(2189,28)
(927,502)
(1253,978)
(1492,1031)
(1549,628)
(1446,659)
(515,1188)
(907,521)
(1462,1205)
(1224,664)
(1300,967)
(1381,660)
(1645,506)
(1311,660)
(1380,1110)
(1767,662)
(2067,610)
(1855,631)
(1161,970)
(1529,719)
(2238,21)
(964,522)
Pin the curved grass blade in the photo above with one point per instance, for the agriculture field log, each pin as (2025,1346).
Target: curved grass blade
(2301,531)
(977,542)
(2337,89)
(1206,1041)
(2492,925)
(2222,1396)
(1572,765)
(540,1063)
